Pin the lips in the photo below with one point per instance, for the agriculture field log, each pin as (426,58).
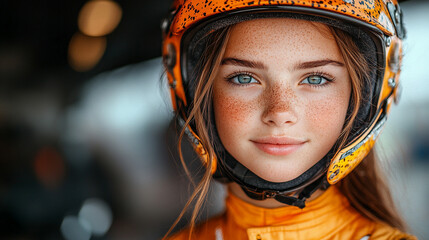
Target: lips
(278,146)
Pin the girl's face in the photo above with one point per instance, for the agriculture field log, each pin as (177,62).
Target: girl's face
(280,96)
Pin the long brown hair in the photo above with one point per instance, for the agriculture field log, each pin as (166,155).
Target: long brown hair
(365,187)
(199,115)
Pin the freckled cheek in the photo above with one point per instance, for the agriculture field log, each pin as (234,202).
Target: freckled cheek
(326,116)
(232,113)
(232,109)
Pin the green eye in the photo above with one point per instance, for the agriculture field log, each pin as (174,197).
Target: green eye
(243,79)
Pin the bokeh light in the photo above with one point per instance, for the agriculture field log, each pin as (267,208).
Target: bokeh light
(94,219)
(49,167)
(99,17)
(98,214)
(73,228)
(85,52)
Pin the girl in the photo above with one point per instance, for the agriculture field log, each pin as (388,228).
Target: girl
(282,100)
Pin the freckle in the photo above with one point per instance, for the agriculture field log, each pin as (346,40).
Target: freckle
(279,98)
(234,108)
(325,110)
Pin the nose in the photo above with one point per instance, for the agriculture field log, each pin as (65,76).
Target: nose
(279,107)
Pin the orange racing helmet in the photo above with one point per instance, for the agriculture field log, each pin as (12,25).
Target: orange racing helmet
(375,26)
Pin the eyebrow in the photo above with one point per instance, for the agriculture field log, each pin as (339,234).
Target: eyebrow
(318,63)
(299,66)
(243,63)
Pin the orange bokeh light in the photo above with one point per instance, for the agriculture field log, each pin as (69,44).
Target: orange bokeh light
(99,17)
(85,52)
(49,167)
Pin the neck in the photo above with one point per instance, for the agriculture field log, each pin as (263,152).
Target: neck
(235,189)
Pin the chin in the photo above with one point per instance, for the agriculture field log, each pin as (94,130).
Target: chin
(280,177)
(278,170)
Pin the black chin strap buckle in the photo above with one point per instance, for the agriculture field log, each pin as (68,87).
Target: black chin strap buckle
(286,198)
(295,198)
(292,201)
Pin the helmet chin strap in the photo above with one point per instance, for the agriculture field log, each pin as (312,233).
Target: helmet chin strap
(296,198)
(294,192)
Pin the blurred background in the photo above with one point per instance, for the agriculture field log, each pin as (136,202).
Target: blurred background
(87,149)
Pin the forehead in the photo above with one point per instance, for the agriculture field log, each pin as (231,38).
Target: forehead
(275,37)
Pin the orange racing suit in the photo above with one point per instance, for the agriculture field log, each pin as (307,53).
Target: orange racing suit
(330,216)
